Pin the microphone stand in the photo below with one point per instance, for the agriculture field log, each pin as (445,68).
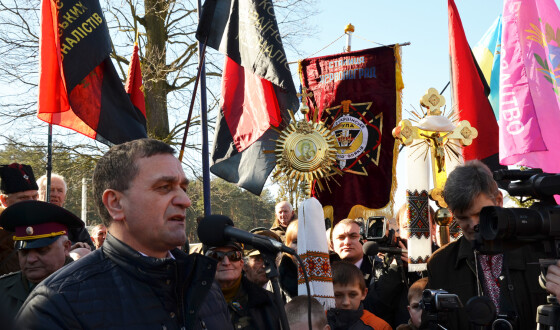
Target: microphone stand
(272,274)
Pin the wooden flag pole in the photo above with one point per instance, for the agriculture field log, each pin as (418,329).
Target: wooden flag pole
(198,74)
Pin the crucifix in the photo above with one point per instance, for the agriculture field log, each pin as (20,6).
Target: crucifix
(442,139)
(303,108)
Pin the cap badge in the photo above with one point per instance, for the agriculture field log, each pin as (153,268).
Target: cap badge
(29,230)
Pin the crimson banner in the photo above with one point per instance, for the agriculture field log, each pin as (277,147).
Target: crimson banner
(357,94)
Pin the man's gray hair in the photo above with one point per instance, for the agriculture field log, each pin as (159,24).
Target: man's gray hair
(466,182)
(290,205)
(42,181)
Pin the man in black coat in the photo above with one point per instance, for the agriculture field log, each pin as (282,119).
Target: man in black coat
(138,279)
(508,280)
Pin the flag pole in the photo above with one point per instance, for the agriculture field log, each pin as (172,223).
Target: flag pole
(49,164)
(349,29)
(204,121)
(198,74)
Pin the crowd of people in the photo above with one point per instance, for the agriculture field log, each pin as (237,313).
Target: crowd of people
(131,270)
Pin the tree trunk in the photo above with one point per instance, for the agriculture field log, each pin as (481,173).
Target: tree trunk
(154,69)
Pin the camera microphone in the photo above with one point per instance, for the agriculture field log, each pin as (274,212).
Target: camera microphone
(217,230)
(372,248)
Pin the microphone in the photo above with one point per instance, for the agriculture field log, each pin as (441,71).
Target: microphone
(371,248)
(217,230)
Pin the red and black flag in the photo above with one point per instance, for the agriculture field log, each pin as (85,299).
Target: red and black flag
(79,87)
(257,88)
(357,94)
(470,94)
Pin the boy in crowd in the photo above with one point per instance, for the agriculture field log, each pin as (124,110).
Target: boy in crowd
(296,311)
(414,308)
(349,291)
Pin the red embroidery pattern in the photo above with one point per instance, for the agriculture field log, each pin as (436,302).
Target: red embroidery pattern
(417,207)
(318,267)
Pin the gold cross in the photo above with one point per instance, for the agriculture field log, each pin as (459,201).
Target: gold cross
(304,94)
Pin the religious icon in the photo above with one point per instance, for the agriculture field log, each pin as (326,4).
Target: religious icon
(306,150)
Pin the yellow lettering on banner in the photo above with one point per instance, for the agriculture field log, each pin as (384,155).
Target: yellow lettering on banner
(267,49)
(97,17)
(85,27)
(59,4)
(269,27)
(71,42)
(77,35)
(68,17)
(82,7)
(267,5)
(65,48)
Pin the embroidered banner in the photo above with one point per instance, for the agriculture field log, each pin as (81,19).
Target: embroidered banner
(357,94)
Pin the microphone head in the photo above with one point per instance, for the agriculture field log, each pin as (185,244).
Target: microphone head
(370,248)
(211,230)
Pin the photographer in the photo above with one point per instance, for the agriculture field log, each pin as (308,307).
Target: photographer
(510,279)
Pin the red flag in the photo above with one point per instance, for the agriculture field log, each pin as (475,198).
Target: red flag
(79,87)
(133,86)
(468,92)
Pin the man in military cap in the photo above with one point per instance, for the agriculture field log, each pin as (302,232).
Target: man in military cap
(40,234)
(254,263)
(250,306)
(17,184)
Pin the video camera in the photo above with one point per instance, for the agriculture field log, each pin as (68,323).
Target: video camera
(373,228)
(503,229)
(437,304)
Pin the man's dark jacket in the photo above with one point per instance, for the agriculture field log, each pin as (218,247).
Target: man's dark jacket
(253,308)
(115,287)
(452,268)
(14,289)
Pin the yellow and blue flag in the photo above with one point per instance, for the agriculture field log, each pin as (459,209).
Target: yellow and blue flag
(487,54)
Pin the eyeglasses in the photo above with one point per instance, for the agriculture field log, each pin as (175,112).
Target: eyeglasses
(219,255)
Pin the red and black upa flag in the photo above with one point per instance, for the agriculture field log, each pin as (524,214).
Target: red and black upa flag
(257,88)
(357,95)
(79,87)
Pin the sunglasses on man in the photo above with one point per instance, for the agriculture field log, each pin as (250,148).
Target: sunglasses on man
(219,255)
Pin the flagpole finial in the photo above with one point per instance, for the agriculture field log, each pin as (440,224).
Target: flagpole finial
(349,29)
(136,39)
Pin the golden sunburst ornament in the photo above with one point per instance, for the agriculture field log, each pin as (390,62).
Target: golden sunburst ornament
(306,151)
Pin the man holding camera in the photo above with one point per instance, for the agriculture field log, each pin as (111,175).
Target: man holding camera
(509,280)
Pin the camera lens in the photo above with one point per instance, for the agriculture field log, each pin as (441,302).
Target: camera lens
(507,223)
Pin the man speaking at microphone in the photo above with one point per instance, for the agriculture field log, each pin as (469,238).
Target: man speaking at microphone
(138,278)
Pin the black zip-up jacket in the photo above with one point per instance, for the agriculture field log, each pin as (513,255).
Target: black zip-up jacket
(452,268)
(115,287)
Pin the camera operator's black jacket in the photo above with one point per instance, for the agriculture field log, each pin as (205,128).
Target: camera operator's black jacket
(452,268)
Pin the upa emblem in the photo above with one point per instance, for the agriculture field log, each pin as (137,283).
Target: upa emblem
(357,133)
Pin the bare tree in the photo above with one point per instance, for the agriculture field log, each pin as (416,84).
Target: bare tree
(168,54)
